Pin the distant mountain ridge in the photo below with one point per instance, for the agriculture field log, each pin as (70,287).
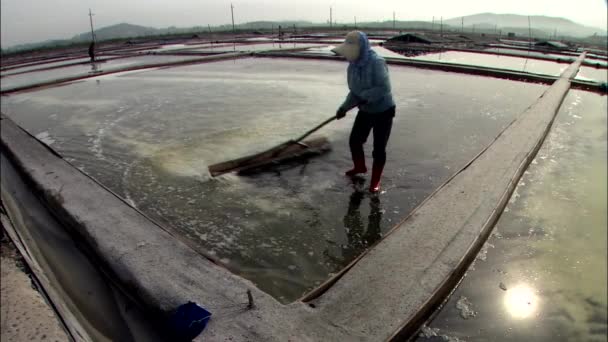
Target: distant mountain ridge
(125,30)
(122,30)
(541,27)
(550,25)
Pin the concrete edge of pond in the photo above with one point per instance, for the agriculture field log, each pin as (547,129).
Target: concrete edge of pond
(66,80)
(63,273)
(383,296)
(403,277)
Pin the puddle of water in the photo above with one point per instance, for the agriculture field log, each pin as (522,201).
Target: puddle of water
(149,137)
(496,61)
(48,64)
(257,47)
(11,81)
(595,61)
(525,53)
(545,279)
(593,74)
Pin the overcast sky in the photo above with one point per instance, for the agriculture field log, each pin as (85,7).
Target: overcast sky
(26,21)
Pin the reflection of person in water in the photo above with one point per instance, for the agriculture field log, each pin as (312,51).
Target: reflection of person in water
(94,68)
(92,51)
(358,238)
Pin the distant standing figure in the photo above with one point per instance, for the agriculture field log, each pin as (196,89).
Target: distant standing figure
(92,51)
(370,91)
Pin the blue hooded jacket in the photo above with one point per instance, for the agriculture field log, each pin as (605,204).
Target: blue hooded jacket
(368,81)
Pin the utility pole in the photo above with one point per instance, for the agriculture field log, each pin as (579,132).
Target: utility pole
(433,24)
(233,30)
(232,14)
(462,24)
(393,20)
(530,32)
(441,26)
(91,21)
(330,17)
(355,23)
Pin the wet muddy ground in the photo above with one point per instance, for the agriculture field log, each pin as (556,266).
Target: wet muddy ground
(25,314)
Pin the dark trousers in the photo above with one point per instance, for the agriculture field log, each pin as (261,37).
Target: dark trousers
(381,123)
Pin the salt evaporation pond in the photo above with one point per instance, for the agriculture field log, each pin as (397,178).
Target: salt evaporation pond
(594,74)
(46,64)
(256,47)
(150,135)
(12,81)
(496,61)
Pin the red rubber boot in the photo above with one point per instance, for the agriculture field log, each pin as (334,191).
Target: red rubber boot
(359,167)
(374,185)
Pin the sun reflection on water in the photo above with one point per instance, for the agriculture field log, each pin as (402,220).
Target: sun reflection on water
(521,301)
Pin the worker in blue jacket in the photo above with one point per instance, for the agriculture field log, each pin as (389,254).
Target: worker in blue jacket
(370,91)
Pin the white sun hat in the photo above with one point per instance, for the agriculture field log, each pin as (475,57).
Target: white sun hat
(350,48)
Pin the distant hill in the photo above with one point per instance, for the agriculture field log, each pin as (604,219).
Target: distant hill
(542,27)
(125,30)
(122,30)
(388,24)
(269,24)
(548,25)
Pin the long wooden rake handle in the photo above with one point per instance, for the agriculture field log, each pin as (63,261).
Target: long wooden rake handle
(303,136)
(316,128)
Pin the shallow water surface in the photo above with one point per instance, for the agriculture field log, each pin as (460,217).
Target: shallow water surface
(591,73)
(256,47)
(526,53)
(49,63)
(496,61)
(542,274)
(11,81)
